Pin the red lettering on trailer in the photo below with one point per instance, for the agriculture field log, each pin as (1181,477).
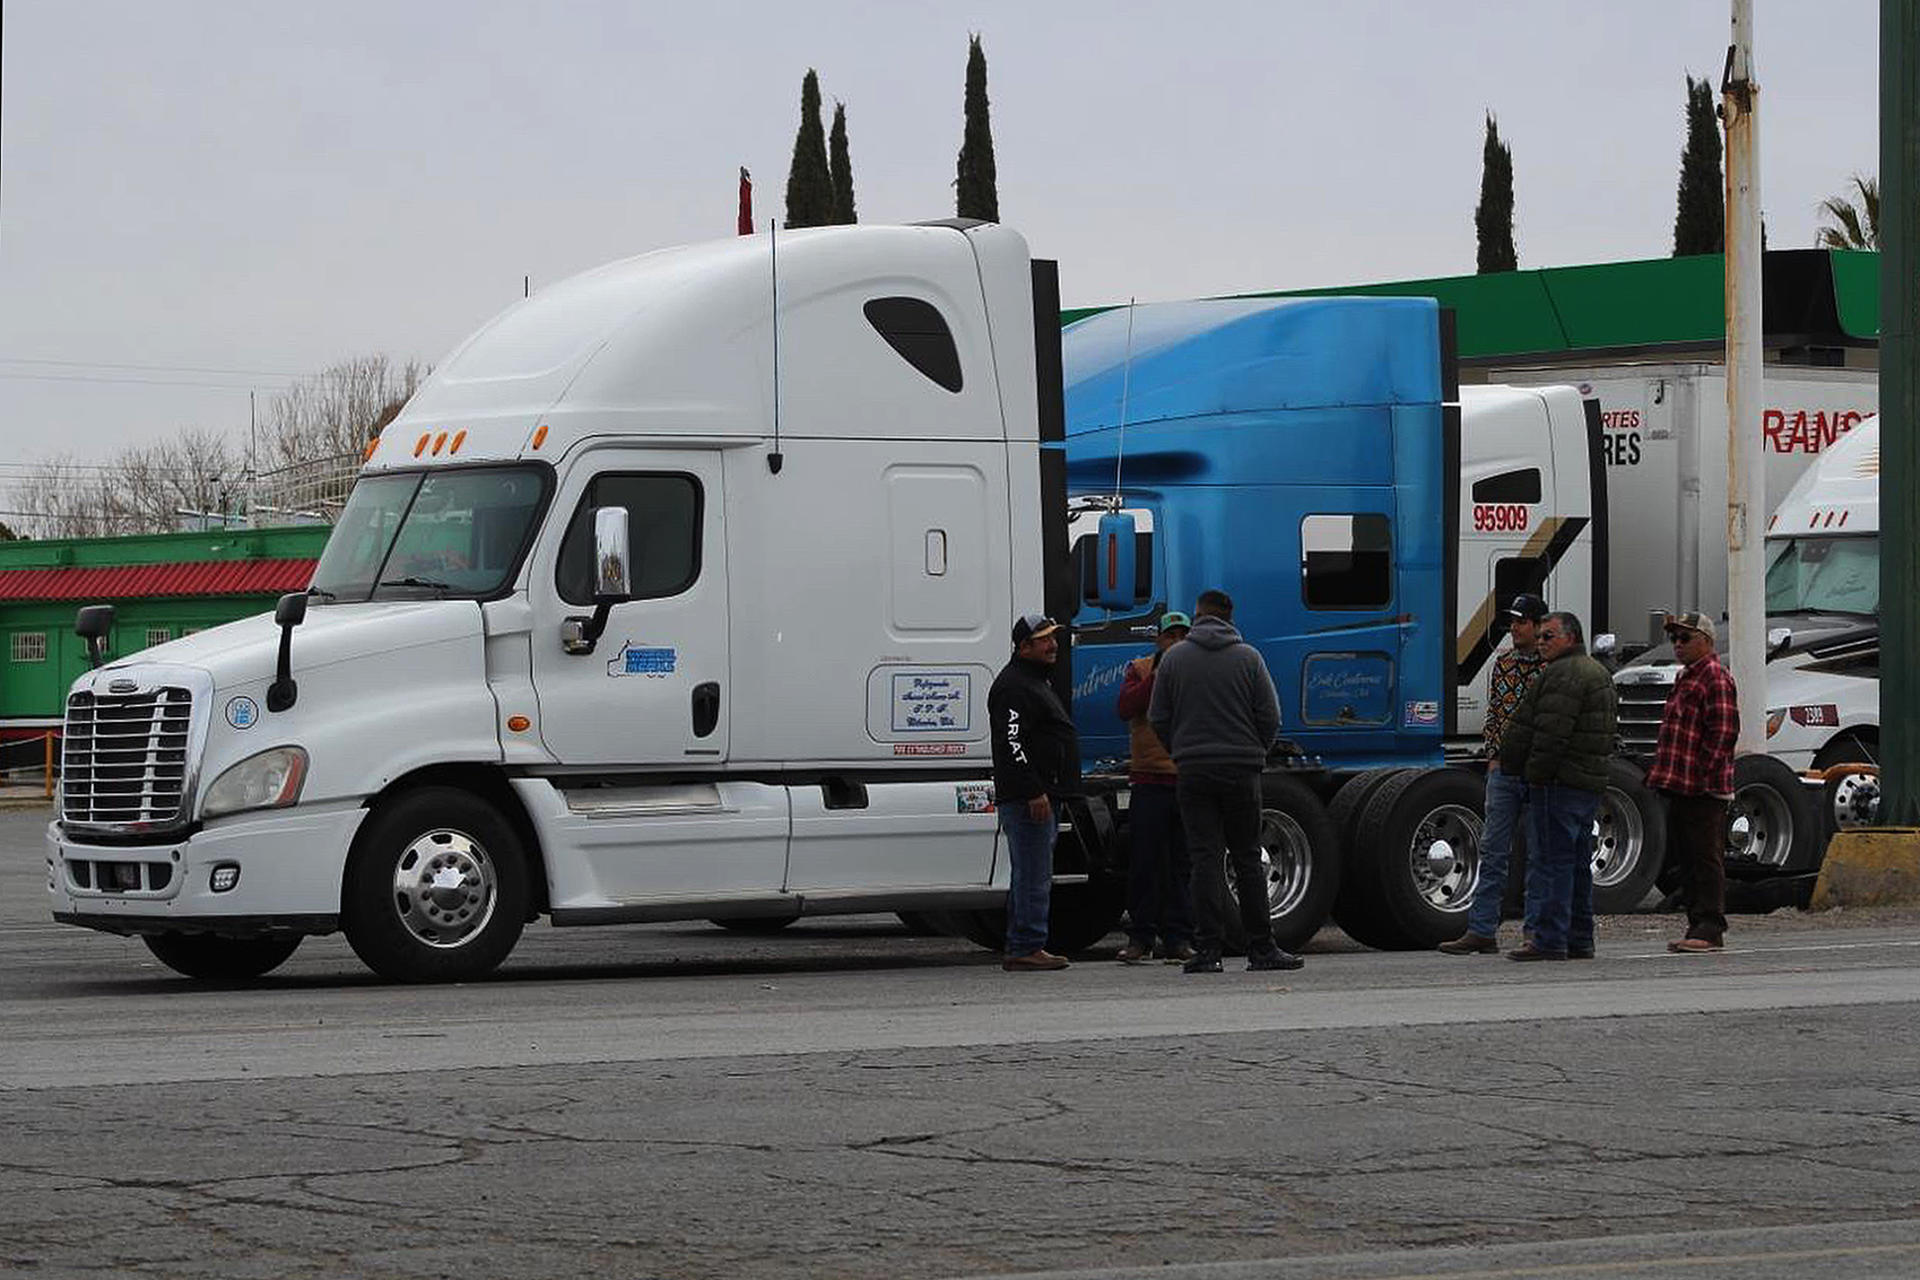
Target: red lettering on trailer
(1500,517)
(1798,431)
(1823,715)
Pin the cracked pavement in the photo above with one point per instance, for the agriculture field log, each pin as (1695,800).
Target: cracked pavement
(849,1100)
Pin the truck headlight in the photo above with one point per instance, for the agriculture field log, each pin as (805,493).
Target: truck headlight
(1774,717)
(269,780)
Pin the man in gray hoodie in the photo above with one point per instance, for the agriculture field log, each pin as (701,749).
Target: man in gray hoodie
(1215,708)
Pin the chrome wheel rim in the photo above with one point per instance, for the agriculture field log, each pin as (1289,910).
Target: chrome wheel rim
(1286,860)
(1759,827)
(1619,839)
(1856,800)
(445,888)
(1443,857)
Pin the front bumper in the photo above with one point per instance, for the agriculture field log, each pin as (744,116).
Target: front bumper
(289,864)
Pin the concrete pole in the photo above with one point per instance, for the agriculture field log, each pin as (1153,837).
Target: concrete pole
(1899,410)
(1746,483)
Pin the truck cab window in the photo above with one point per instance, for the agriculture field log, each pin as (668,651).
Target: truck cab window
(1509,486)
(1514,576)
(436,534)
(916,329)
(663,531)
(1346,561)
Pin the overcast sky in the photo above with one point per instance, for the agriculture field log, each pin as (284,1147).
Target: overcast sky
(242,193)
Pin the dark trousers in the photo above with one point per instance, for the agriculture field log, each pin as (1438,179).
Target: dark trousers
(1221,810)
(1697,841)
(1560,867)
(1158,901)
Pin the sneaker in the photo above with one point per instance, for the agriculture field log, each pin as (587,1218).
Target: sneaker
(1202,962)
(1695,946)
(1471,944)
(1134,953)
(1178,953)
(1531,952)
(1034,962)
(1274,959)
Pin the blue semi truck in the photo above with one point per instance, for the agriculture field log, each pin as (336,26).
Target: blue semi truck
(1318,459)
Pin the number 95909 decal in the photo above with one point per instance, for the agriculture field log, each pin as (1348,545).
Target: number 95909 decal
(1499,517)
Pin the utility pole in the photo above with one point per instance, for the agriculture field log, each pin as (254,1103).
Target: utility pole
(1899,411)
(253,465)
(1746,483)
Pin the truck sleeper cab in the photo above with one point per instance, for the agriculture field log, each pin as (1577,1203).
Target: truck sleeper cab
(782,712)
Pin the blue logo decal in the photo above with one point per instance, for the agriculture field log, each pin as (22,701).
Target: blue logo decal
(642,660)
(242,712)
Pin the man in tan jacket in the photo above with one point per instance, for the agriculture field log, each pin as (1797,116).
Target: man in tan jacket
(1159,898)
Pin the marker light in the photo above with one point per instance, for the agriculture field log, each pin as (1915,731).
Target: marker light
(270,780)
(224,877)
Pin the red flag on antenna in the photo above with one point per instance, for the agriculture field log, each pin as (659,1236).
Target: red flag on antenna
(746,203)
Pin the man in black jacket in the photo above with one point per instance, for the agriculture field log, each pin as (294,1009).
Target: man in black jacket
(1036,763)
(1215,708)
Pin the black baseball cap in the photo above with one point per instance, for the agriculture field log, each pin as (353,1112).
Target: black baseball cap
(1031,627)
(1532,608)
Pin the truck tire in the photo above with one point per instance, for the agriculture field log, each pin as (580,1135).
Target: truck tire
(1853,800)
(436,888)
(920,924)
(1352,906)
(1773,824)
(216,959)
(759,925)
(1416,860)
(1629,840)
(1300,856)
(1078,917)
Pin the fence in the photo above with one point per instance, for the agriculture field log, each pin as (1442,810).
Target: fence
(23,761)
(307,492)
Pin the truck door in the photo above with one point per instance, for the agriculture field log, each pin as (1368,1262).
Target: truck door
(655,690)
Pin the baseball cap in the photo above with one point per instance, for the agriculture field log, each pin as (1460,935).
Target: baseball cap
(1532,608)
(1168,621)
(1691,622)
(1032,626)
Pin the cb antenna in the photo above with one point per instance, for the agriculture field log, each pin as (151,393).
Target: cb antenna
(776,459)
(1126,384)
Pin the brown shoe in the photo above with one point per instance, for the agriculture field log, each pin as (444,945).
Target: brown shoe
(1034,962)
(1134,953)
(1695,946)
(1471,944)
(1531,952)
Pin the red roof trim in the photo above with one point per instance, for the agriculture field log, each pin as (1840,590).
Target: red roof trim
(149,581)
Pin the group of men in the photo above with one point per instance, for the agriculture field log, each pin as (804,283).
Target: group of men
(1551,721)
(1202,713)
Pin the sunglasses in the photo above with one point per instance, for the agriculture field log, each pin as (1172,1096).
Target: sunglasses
(1549,634)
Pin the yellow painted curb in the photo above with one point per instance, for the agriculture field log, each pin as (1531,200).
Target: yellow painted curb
(1869,867)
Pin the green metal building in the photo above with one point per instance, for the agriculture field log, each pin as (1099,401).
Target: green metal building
(162,586)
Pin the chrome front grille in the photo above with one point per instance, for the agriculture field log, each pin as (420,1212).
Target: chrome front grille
(124,759)
(1641,708)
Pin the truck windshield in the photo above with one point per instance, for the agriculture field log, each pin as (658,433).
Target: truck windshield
(1824,575)
(430,535)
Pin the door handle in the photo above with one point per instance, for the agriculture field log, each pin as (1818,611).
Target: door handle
(706,708)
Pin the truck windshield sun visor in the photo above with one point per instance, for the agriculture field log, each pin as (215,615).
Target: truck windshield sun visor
(442,534)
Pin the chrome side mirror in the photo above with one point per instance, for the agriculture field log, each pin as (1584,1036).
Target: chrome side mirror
(1605,642)
(612,579)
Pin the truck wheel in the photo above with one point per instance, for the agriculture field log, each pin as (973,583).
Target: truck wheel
(1853,800)
(1078,916)
(761,925)
(217,959)
(1629,840)
(1416,861)
(1773,824)
(1352,906)
(436,888)
(1300,858)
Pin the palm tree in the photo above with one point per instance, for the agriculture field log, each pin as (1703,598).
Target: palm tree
(1859,226)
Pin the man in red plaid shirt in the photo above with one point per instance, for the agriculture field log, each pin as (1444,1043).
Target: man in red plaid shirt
(1693,767)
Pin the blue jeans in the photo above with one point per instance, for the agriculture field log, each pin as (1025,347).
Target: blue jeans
(1506,796)
(1030,862)
(1159,901)
(1560,867)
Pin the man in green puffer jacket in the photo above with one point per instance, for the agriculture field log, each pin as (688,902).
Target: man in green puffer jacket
(1559,740)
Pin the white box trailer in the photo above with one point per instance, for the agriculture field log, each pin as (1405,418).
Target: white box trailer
(1665,432)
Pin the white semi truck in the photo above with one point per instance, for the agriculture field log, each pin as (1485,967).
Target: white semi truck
(663,600)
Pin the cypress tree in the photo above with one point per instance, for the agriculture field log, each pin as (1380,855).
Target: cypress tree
(841,166)
(809,184)
(1493,218)
(1700,220)
(976,191)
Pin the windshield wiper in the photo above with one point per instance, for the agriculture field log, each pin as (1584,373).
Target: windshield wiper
(428,583)
(322,591)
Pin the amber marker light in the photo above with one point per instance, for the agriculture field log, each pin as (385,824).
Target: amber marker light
(371,446)
(423,444)
(458,440)
(539,435)
(439,442)
(519,724)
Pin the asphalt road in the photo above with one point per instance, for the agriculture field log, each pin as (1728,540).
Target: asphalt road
(847,1100)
